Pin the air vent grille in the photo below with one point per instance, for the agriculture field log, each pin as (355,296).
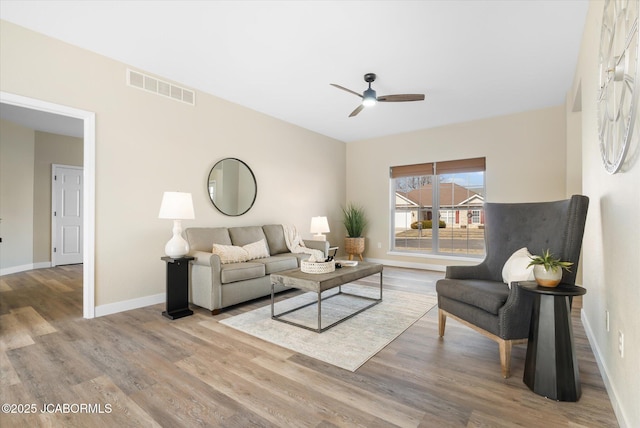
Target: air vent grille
(156,86)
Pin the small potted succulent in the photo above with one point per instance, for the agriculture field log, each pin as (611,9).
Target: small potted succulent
(547,269)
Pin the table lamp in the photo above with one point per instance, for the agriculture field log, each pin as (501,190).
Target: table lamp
(319,225)
(176,206)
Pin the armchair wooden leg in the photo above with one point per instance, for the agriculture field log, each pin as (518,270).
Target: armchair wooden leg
(504,344)
(505,357)
(442,322)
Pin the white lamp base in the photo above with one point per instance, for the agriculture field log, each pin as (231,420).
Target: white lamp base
(319,237)
(177,246)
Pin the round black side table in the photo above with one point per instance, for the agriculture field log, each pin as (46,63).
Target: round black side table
(551,367)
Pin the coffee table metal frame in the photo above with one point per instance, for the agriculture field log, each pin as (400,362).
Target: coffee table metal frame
(322,282)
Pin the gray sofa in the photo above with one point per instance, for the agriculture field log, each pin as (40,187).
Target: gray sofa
(216,285)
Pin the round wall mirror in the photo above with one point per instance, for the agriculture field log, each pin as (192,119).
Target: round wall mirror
(232,187)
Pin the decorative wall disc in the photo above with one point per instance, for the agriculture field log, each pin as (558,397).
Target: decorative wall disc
(618,95)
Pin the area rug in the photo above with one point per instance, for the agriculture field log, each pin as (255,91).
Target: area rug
(349,344)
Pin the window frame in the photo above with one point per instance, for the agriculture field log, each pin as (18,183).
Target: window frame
(438,169)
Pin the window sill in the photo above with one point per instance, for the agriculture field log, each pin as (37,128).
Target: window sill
(450,257)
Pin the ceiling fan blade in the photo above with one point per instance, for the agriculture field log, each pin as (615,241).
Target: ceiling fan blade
(345,89)
(400,98)
(357,110)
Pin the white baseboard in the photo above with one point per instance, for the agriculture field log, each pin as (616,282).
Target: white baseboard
(127,305)
(22,268)
(410,265)
(611,391)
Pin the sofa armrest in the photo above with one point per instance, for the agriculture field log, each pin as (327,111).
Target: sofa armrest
(318,245)
(206,259)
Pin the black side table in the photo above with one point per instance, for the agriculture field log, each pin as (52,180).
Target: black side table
(177,287)
(551,367)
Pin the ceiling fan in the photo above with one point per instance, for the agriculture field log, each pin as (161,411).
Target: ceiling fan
(369,97)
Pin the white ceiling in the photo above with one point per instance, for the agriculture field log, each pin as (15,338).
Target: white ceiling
(473,59)
(43,121)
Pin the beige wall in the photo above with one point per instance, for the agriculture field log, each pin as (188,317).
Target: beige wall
(611,265)
(49,149)
(147,144)
(519,167)
(16,195)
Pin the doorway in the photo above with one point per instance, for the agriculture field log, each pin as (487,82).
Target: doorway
(88,185)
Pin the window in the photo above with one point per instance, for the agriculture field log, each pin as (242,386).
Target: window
(437,208)
(475,216)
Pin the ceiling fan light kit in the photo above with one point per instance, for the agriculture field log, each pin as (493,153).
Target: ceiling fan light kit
(369,97)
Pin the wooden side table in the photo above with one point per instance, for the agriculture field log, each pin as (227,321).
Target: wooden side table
(551,367)
(177,287)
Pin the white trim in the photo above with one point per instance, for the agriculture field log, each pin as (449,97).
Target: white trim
(447,257)
(611,391)
(411,265)
(23,268)
(89,118)
(127,305)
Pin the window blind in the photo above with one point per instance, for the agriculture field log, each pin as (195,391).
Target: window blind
(443,167)
(463,165)
(412,170)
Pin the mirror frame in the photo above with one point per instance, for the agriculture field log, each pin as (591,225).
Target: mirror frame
(255,186)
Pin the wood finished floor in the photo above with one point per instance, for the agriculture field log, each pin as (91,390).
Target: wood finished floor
(151,371)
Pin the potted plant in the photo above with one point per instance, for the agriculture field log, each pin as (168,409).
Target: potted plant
(354,221)
(547,269)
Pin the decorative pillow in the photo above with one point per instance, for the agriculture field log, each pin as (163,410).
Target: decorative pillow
(256,250)
(230,253)
(515,269)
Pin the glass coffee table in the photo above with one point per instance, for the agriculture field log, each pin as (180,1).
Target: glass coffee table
(318,283)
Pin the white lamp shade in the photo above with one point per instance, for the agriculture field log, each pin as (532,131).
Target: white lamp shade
(319,225)
(176,206)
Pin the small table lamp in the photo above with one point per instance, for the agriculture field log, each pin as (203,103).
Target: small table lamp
(319,225)
(176,206)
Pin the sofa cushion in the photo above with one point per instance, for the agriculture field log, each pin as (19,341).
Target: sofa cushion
(202,238)
(242,236)
(234,272)
(301,256)
(257,250)
(484,294)
(275,239)
(279,263)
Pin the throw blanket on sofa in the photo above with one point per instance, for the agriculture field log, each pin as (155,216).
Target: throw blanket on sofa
(295,244)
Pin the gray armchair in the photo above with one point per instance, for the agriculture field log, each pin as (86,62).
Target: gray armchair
(477,296)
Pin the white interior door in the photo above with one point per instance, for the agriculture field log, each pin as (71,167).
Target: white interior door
(66,216)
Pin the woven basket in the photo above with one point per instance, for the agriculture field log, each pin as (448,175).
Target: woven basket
(315,267)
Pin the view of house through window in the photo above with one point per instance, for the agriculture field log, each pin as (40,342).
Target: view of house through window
(438,207)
